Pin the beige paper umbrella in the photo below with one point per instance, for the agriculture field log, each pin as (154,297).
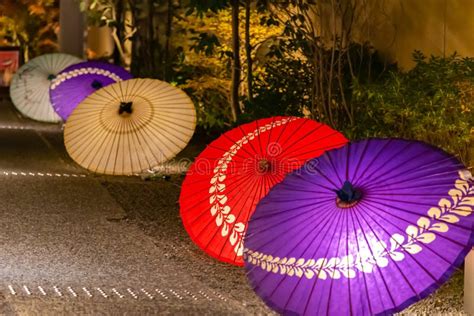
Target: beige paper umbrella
(130,126)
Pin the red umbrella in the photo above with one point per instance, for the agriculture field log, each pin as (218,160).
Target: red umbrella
(228,179)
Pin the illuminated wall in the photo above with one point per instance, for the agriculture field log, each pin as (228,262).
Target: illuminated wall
(397,27)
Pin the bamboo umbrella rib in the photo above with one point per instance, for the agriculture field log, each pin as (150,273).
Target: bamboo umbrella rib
(359,250)
(374,157)
(319,229)
(394,262)
(301,124)
(306,212)
(428,173)
(370,176)
(250,143)
(370,248)
(411,212)
(335,223)
(145,134)
(341,228)
(297,140)
(361,214)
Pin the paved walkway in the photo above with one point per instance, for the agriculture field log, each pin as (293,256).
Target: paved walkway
(64,246)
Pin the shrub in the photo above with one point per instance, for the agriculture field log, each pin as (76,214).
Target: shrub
(433,102)
(283,88)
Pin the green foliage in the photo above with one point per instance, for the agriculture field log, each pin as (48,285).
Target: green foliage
(205,43)
(286,83)
(30,24)
(283,88)
(205,71)
(202,6)
(433,102)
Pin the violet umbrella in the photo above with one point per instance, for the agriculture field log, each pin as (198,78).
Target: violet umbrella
(77,82)
(368,228)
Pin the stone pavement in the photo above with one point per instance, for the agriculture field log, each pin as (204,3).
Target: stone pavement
(66,247)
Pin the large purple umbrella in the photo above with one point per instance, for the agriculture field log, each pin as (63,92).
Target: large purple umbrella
(75,83)
(368,228)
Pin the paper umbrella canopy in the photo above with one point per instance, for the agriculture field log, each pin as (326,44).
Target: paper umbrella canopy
(368,228)
(130,126)
(228,179)
(72,85)
(29,89)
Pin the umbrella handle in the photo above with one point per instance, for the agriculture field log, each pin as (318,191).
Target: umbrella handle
(125,107)
(347,196)
(96,84)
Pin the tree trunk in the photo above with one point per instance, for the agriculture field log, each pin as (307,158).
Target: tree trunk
(167,61)
(151,36)
(248,51)
(120,30)
(236,71)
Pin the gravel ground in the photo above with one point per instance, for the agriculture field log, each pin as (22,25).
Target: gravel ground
(447,300)
(152,205)
(68,248)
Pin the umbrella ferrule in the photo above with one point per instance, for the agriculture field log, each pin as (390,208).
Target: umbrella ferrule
(51,77)
(125,107)
(96,84)
(348,195)
(263,165)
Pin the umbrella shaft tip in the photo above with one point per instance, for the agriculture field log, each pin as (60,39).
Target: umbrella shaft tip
(125,107)
(348,195)
(263,165)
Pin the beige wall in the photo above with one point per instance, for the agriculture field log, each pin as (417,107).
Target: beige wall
(100,43)
(397,27)
(438,27)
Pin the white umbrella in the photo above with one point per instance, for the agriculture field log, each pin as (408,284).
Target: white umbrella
(130,126)
(29,89)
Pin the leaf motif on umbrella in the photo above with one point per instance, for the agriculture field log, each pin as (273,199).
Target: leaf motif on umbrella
(449,218)
(395,241)
(78,72)
(225,230)
(419,233)
(439,227)
(230,219)
(219,219)
(376,255)
(412,248)
(217,184)
(379,253)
